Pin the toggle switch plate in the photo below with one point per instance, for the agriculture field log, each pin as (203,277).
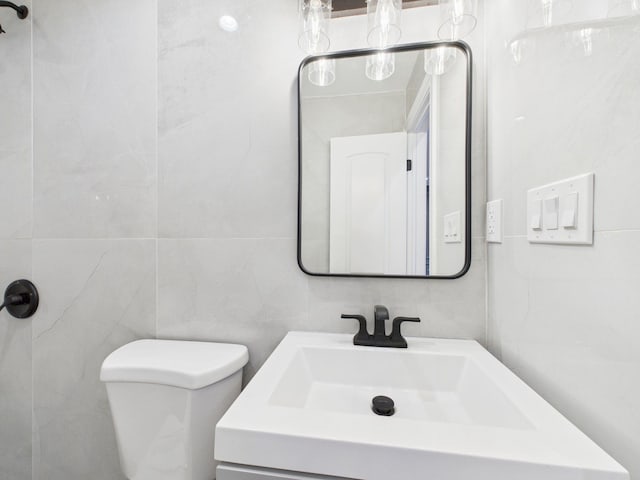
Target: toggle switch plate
(562,212)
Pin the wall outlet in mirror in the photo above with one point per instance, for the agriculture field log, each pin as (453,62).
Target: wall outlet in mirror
(494,221)
(452,228)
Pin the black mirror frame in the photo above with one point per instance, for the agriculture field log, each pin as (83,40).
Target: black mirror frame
(401,48)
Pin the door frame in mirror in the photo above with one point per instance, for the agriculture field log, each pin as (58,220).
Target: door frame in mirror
(464,47)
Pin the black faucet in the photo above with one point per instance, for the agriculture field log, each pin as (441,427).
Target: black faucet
(379,337)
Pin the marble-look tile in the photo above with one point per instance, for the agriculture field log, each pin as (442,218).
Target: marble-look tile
(447,308)
(95,119)
(564,317)
(563,111)
(15,369)
(96,295)
(565,320)
(227,121)
(15,127)
(247,291)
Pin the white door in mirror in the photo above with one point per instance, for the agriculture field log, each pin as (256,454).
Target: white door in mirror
(368,204)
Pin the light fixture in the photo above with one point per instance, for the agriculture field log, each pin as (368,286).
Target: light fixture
(515,48)
(623,8)
(383,17)
(314,26)
(459,18)
(383,20)
(547,13)
(322,72)
(314,39)
(586,38)
(438,60)
(380,65)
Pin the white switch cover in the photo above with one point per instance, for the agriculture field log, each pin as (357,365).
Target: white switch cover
(567,212)
(452,228)
(494,221)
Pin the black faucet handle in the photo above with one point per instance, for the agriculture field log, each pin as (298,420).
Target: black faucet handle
(380,312)
(396,335)
(363,334)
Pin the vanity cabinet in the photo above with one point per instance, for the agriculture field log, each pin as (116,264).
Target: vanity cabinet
(243,472)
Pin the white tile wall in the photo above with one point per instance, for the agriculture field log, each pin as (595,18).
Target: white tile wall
(563,317)
(114,84)
(247,291)
(227,132)
(94,119)
(15,127)
(15,246)
(96,295)
(15,369)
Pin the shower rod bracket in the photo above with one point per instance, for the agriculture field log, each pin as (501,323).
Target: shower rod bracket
(21,10)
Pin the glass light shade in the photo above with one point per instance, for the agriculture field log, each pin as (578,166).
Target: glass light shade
(623,8)
(521,49)
(586,38)
(384,22)
(589,39)
(322,72)
(458,18)
(437,61)
(380,65)
(547,13)
(314,26)
(552,9)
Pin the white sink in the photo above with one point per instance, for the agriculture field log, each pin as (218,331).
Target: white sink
(460,414)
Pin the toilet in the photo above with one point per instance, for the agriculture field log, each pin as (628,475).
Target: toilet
(166,397)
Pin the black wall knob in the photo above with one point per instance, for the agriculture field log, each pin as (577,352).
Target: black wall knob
(21,299)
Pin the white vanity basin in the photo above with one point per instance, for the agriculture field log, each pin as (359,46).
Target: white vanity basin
(460,414)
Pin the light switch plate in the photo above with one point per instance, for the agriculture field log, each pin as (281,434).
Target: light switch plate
(452,228)
(573,222)
(494,221)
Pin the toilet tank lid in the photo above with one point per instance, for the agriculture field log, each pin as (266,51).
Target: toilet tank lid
(183,364)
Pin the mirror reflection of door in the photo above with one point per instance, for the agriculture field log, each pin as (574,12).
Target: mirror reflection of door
(368,204)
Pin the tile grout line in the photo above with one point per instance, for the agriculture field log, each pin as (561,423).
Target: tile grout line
(595,232)
(157,157)
(32,123)
(486,171)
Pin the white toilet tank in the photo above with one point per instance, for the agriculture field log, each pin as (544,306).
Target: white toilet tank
(166,397)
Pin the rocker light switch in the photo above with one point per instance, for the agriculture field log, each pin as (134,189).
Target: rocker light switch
(562,212)
(551,213)
(570,211)
(536,215)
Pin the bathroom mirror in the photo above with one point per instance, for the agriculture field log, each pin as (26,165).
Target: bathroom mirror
(385,163)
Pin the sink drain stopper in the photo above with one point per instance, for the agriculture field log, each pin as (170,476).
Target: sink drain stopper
(383,406)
